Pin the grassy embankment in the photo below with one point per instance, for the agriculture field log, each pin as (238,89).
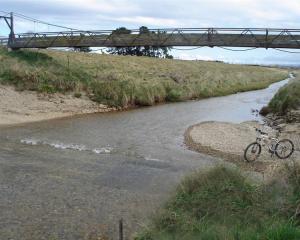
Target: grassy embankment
(222,204)
(287,98)
(128,81)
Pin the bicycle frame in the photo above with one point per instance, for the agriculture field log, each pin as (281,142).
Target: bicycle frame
(267,142)
(265,139)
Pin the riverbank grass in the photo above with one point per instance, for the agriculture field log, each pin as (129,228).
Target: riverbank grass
(223,204)
(287,98)
(124,81)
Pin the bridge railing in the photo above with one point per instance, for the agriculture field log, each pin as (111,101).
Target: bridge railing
(3,41)
(168,31)
(224,37)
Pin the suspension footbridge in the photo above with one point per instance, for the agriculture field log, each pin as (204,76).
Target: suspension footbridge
(193,37)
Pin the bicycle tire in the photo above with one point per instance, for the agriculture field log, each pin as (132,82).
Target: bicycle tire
(249,147)
(292,149)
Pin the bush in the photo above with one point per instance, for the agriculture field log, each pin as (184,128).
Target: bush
(173,95)
(265,110)
(223,204)
(33,70)
(77,95)
(287,98)
(31,57)
(112,93)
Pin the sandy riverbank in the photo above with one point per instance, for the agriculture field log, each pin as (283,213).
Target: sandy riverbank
(228,141)
(27,106)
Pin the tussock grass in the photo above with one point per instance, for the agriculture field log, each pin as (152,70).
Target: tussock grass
(287,98)
(223,204)
(125,80)
(37,71)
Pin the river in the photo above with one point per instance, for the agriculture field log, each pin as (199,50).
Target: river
(72,178)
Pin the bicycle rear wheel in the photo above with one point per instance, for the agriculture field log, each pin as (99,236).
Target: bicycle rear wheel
(252,152)
(284,148)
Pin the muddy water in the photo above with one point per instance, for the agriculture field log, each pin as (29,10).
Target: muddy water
(75,178)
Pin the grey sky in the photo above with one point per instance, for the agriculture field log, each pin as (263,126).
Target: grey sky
(109,14)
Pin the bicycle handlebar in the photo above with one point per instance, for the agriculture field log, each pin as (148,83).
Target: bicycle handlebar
(260,131)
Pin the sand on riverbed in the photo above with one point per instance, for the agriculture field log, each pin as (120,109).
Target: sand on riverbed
(28,106)
(229,140)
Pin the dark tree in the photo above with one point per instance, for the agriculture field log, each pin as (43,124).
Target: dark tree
(149,51)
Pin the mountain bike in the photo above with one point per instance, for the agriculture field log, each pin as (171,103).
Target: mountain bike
(281,148)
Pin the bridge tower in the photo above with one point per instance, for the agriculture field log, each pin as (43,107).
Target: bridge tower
(10,23)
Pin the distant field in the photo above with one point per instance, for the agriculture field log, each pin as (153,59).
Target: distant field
(127,81)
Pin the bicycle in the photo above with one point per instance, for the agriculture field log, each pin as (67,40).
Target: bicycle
(281,148)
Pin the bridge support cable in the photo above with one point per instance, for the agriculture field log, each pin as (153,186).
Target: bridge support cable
(37,21)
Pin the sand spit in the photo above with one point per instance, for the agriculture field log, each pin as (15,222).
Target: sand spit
(229,140)
(28,106)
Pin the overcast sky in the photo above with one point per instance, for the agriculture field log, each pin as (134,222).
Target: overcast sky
(109,14)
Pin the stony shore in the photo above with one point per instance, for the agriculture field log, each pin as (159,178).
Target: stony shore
(229,140)
(27,106)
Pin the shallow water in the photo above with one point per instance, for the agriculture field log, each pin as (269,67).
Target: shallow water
(64,178)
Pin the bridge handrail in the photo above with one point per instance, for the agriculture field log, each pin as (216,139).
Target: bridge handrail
(167,30)
(3,41)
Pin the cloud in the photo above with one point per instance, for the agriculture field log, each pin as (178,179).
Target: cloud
(110,14)
(191,13)
(140,20)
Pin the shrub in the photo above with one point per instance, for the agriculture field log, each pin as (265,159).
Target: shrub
(223,204)
(288,97)
(77,95)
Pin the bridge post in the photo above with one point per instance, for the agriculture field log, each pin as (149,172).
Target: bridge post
(11,38)
(266,39)
(210,33)
(10,23)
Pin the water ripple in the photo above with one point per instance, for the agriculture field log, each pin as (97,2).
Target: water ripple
(71,146)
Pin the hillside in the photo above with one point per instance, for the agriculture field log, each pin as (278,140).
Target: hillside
(125,81)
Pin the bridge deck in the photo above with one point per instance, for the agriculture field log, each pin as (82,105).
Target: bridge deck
(256,38)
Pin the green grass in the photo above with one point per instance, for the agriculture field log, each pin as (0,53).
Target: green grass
(37,71)
(127,81)
(287,98)
(223,204)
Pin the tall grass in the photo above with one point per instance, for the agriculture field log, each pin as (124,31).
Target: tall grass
(223,204)
(37,71)
(288,97)
(126,80)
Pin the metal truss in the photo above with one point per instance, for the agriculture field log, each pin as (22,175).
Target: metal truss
(232,37)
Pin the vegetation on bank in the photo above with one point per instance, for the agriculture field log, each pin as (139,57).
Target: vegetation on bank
(223,204)
(127,81)
(287,98)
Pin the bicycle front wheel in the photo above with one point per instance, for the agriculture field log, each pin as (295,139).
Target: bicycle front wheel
(252,152)
(284,148)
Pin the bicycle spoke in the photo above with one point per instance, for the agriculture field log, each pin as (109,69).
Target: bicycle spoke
(252,152)
(284,149)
